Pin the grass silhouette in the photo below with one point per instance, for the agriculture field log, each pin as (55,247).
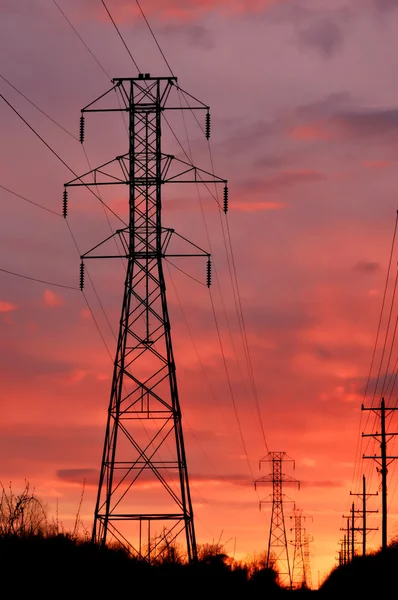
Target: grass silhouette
(38,557)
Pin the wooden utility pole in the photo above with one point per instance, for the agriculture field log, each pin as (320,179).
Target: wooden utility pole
(383,461)
(364,496)
(351,532)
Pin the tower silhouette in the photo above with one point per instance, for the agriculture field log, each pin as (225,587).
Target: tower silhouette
(278,553)
(301,565)
(144,445)
(308,539)
(298,574)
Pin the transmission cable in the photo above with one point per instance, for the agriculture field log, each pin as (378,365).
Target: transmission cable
(30,201)
(120,35)
(386,337)
(384,349)
(39,109)
(81,39)
(212,392)
(185,273)
(230,386)
(359,437)
(60,285)
(237,297)
(58,156)
(154,37)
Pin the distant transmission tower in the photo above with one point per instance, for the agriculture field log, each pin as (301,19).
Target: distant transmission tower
(298,574)
(307,564)
(144,446)
(278,553)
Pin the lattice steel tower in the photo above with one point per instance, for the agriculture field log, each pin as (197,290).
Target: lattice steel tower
(144,445)
(301,565)
(307,564)
(298,574)
(278,553)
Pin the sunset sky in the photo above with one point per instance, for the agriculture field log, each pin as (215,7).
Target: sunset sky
(304,105)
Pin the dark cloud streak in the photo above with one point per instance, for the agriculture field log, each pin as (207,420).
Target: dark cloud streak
(325,37)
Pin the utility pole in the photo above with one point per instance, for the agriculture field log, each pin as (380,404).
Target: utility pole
(364,496)
(340,554)
(346,540)
(277,542)
(383,461)
(144,444)
(351,531)
(345,549)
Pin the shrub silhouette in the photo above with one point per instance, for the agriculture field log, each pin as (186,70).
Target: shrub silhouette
(21,514)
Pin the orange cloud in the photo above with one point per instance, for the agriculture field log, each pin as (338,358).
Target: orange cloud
(309,133)
(6,306)
(52,299)
(85,313)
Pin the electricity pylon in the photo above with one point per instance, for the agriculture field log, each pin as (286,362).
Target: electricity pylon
(144,499)
(278,553)
(300,567)
(307,565)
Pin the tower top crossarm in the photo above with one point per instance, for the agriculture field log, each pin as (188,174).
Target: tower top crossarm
(147,89)
(277,476)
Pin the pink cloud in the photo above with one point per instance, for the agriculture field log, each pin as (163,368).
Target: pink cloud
(6,306)
(179,10)
(76,376)
(377,164)
(52,299)
(256,206)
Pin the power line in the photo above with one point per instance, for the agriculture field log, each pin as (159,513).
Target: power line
(60,285)
(57,155)
(39,109)
(81,39)
(246,343)
(186,274)
(212,392)
(97,325)
(386,337)
(382,306)
(359,447)
(234,280)
(120,35)
(190,158)
(30,201)
(154,37)
(230,386)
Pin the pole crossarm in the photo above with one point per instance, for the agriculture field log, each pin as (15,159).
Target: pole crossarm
(115,172)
